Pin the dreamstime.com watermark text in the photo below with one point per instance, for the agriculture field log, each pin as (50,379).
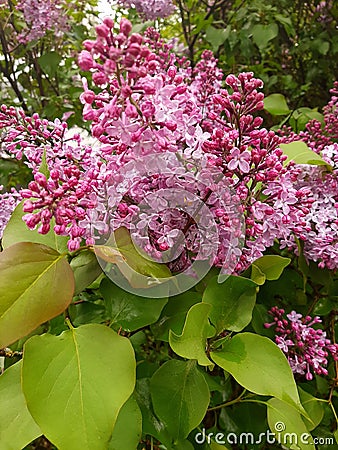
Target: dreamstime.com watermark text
(268,437)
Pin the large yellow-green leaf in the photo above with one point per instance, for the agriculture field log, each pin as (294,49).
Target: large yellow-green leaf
(17,427)
(75,384)
(36,284)
(260,366)
(191,343)
(17,231)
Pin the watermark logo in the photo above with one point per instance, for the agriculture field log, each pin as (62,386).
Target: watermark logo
(163,210)
(279,436)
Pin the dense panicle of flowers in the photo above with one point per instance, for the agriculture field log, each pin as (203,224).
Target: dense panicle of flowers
(148,101)
(150,9)
(320,235)
(151,101)
(41,16)
(66,192)
(305,347)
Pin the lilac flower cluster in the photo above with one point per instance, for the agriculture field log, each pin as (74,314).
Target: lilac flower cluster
(210,141)
(305,347)
(67,193)
(156,103)
(320,234)
(150,9)
(41,16)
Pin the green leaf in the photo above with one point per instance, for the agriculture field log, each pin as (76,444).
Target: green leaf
(49,62)
(127,310)
(257,275)
(128,427)
(151,425)
(182,445)
(174,313)
(86,312)
(263,34)
(232,302)
(287,24)
(86,269)
(260,316)
(17,231)
(300,153)
(288,426)
(313,407)
(180,397)
(191,343)
(75,384)
(215,446)
(321,46)
(276,105)
(17,427)
(301,116)
(246,355)
(271,266)
(286,288)
(134,264)
(36,284)
(216,37)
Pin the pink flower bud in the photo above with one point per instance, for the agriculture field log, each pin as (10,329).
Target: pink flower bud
(109,22)
(85,60)
(99,78)
(102,30)
(125,26)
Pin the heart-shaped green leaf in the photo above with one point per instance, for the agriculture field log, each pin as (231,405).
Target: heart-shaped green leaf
(75,384)
(180,396)
(134,264)
(129,418)
(191,343)
(276,105)
(260,366)
(268,267)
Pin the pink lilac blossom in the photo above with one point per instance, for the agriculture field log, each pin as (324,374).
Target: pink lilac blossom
(152,102)
(320,234)
(66,193)
(147,100)
(306,348)
(150,9)
(41,16)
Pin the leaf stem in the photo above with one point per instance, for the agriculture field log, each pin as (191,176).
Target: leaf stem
(68,321)
(229,403)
